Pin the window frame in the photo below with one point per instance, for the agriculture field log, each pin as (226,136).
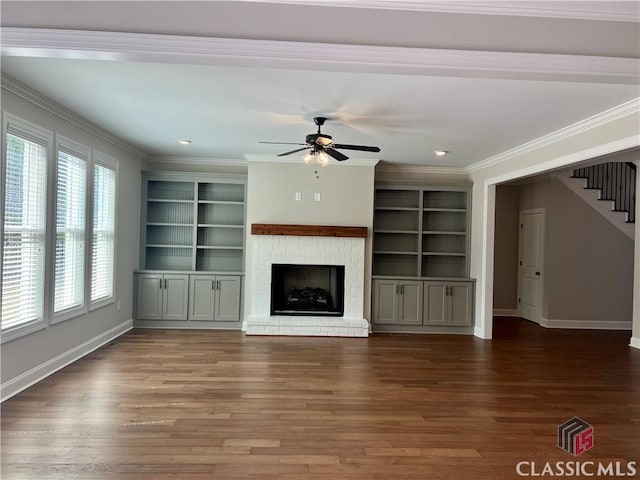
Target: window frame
(82,152)
(45,138)
(105,161)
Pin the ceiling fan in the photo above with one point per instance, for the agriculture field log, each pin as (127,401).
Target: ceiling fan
(320,145)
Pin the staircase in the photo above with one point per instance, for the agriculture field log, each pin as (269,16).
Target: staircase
(616,182)
(610,188)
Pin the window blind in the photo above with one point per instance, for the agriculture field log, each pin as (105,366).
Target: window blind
(102,252)
(23,257)
(70,232)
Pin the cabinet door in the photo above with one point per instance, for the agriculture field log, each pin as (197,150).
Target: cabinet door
(461,303)
(410,303)
(385,302)
(149,299)
(201,297)
(227,299)
(175,297)
(435,303)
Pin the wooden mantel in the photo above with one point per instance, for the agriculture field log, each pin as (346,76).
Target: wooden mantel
(307,230)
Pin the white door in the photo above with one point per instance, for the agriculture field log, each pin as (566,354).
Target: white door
(531,262)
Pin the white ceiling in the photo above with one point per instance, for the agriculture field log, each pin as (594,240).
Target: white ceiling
(227,75)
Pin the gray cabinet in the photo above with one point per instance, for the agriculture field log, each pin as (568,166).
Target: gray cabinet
(214,298)
(397,302)
(448,303)
(162,297)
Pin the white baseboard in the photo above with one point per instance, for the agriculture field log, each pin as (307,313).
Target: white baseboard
(635,342)
(585,324)
(36,374)
(505,312)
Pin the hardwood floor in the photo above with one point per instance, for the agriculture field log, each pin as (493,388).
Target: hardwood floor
(187,405)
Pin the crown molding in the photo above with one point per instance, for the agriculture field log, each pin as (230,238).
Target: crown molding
(11,85)
(628,108)
(568,10)
(352,162)
(117,46)
(222,162)
(405,169)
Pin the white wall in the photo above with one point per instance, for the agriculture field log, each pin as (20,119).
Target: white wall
(611,132)
(346,200)
(588,270)
(27,358)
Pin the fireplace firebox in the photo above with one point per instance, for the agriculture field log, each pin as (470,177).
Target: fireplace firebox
(310,290)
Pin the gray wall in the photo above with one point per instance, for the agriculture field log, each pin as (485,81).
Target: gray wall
(25,353)
(346,199)
(505,287)
(588,262)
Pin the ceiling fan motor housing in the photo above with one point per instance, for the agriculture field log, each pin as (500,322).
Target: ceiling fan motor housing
(319,138)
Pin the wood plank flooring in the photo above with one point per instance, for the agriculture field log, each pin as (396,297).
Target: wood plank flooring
(195,405)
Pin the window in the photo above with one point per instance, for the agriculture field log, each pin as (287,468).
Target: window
(24,224)
(103,245)
(71,192)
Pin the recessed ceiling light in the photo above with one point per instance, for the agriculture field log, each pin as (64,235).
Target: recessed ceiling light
(184,142)
(440,153)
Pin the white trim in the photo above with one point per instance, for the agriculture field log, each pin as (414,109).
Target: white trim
(390,169)
(153,48)
(566,160)
(14,386)
(602,118)
(11,85)
(584,324)
(352,162)
(635,342)
(524,9)
(222,162)
(505,312)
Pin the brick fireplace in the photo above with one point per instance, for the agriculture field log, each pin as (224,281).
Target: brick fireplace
(307,245)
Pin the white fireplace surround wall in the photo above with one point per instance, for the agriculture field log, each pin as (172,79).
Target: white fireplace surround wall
(310,250)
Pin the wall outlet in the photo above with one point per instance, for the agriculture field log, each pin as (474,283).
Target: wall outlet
(316,196)
(118,305)
(298,196)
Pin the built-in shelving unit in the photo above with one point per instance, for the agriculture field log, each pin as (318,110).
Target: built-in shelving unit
(193,223)
(421,261)
(421,232)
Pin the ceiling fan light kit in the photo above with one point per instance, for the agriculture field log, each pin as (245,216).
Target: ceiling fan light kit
(322,146)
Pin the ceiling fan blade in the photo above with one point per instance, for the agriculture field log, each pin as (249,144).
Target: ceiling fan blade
(362,148)
(294,151)
(284,143)
(335,154)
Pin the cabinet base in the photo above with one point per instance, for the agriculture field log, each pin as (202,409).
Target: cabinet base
(423,329)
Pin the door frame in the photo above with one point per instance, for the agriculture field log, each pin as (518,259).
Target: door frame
(531,211)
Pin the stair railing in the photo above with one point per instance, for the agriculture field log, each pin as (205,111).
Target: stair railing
(616,182)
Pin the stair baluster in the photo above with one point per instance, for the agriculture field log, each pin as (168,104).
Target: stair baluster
(616,182)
